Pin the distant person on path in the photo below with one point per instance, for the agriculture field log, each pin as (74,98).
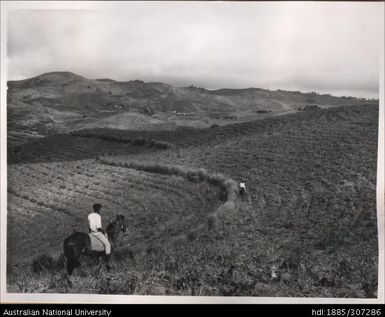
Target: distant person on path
(95,226)
(242,189)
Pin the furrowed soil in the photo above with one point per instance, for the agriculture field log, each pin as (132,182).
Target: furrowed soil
(309,213)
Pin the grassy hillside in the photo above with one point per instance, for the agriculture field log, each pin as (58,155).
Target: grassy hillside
(310,212)
(60,196)
(312,200)
(62,102)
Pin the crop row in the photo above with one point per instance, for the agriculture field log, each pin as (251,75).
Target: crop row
(227,185)
(310,209)
(88,143)
(311,186)
(56,193)
(137,141)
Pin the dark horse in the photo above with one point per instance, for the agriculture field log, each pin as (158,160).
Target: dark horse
(79,243)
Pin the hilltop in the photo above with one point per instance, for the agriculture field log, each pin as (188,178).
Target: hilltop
(63,101)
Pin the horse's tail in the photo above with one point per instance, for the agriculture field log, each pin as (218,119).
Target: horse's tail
(70,253)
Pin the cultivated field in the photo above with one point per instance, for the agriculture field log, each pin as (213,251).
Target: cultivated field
(310,211)
(48,201)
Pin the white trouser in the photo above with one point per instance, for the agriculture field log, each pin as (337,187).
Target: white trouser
(104,240)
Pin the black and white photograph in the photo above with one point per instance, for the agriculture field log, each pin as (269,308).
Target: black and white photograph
(192,150)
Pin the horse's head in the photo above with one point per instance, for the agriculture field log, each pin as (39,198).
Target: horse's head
(115,227)
(121,223)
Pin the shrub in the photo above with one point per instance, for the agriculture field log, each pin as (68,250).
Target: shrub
(231,189)
(216,179)
(192,235)
(139,141)
(203,174)
(46,262)
(212,222)
(161,145)
(192,177)
(111,138)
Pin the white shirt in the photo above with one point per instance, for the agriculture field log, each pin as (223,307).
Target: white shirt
(95,221)
(242,185)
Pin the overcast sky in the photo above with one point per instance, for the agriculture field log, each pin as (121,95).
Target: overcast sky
(325,47)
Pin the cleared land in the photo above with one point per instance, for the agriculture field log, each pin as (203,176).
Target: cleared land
(310,212)
(61,102)
(48,201)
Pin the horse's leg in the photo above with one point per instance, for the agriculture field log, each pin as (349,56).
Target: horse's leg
(100,265)
(107,258)
(87,246)
(70,253)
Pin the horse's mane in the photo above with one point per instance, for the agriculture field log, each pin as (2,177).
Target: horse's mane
(114,227)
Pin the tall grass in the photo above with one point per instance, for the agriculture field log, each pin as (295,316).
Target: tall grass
(228,186)
(47,263)
(136,142)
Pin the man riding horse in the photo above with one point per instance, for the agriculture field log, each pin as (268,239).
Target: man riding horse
(96,242)
(95,228)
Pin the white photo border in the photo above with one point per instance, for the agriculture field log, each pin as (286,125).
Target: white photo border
(6,297)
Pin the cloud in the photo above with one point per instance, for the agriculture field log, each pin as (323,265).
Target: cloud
(301,46)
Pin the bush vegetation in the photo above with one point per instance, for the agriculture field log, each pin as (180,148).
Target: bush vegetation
(228,186)
(138,141)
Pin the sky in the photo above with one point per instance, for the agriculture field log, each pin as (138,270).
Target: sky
(309,46)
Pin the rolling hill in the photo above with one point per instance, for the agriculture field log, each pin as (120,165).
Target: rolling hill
(169,159)
(63,101)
